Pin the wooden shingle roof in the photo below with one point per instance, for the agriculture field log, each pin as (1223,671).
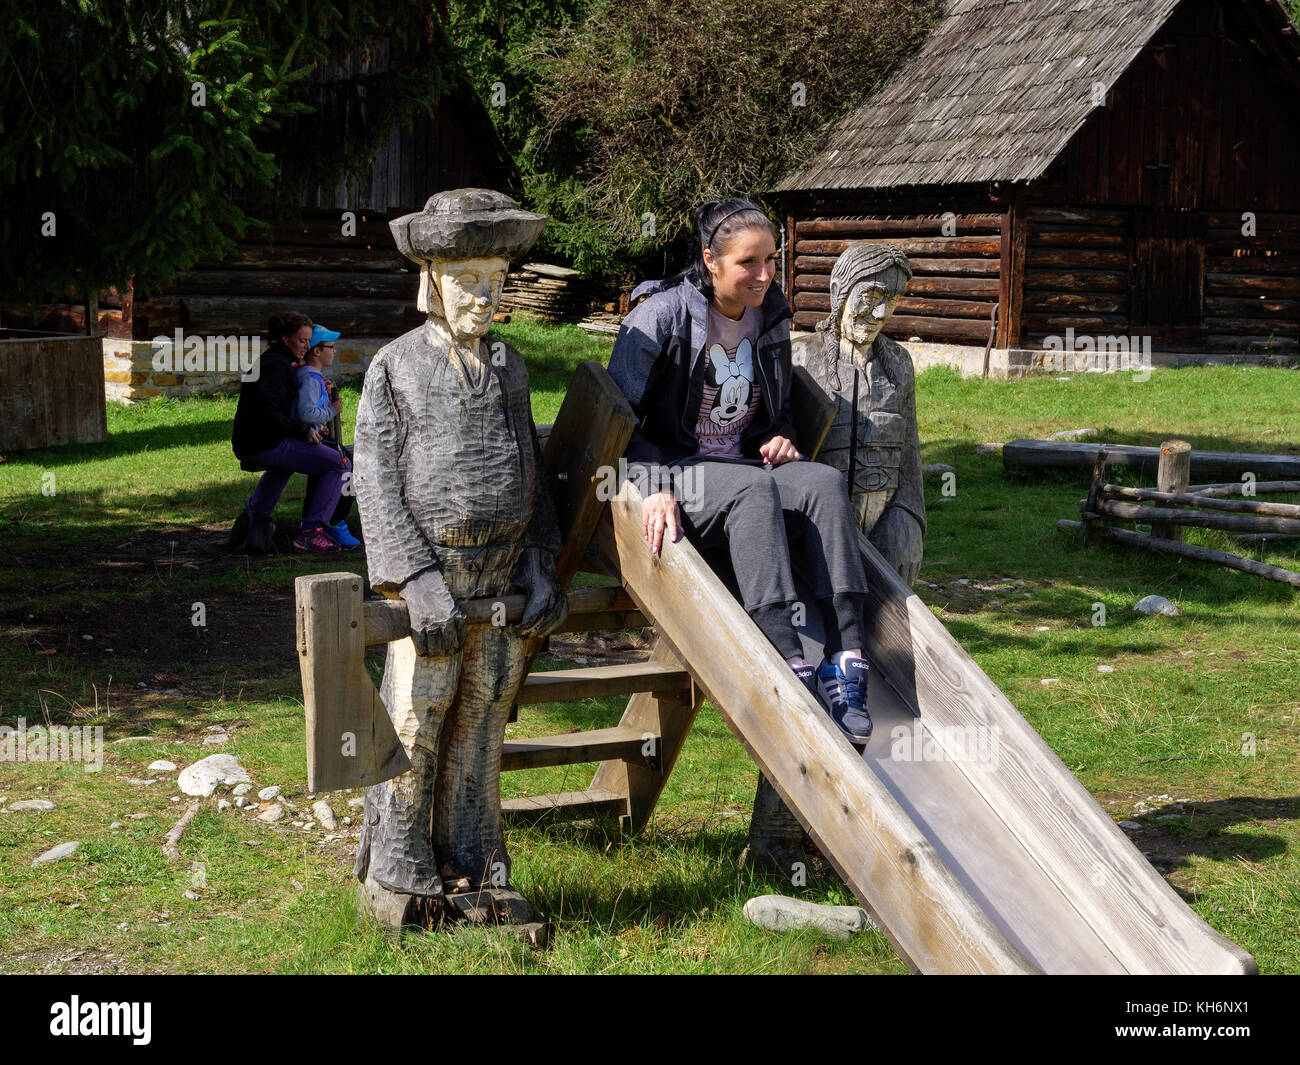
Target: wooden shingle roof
(994,94)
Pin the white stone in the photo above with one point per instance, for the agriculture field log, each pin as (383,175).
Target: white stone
(116,824)
(32,804)
(215,739)
(1156,604)
(223,806)
(241,789)
(1073,434)
(162,766)
(63,850)
(272,813)
(1132,825)
(324,813)
(240,801)
(778,913)
(357,801)
(1048,681)
(1105,669)
(267,794)
(1043,628)
(204,777)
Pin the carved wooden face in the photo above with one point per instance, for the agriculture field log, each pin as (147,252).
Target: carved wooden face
(865,312)
(470,290)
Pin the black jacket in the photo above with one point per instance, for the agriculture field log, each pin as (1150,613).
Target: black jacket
(264,416)
(658,350)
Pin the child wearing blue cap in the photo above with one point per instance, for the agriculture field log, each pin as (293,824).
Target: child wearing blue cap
(318,406)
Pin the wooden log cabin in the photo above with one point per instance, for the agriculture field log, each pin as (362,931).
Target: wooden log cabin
(1115,167)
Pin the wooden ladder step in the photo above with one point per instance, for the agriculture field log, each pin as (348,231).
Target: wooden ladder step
(573,748)
(568,685)
(565,804)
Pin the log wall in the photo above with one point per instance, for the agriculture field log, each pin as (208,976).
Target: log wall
(955,278)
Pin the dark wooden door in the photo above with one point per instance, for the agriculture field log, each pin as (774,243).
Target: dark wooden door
(1167,275)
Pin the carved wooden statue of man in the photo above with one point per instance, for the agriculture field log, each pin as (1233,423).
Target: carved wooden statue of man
(875,437)
(872,381)
(446,476)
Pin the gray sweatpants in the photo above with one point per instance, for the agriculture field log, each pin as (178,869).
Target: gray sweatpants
(761,515)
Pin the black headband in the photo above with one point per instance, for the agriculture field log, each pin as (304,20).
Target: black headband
(747,207)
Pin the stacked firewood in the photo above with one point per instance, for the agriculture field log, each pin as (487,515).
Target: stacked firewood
(555,293)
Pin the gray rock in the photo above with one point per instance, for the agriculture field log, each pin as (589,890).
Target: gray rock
(1156,604)
(215,739)
(1073,434)
(162,766)
(206,775)
(1131,825)
(990,448)
(63,850)
(324,813)
(240,801)
(31,804)
(272,813)
(116,824)
(267,794)
(357,801)
(241,789)
(223,806)
(1105,669)
(778,913)
(141,783)
(936,469)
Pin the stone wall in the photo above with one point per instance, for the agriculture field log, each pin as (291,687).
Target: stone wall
(130,374)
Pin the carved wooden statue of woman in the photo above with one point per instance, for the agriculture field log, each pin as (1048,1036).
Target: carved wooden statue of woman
(874,441)
(446,476)
(872,381)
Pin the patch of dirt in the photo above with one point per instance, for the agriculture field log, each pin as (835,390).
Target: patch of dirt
(140,597)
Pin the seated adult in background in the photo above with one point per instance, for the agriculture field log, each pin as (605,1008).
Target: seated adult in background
(265,435)
(319,405)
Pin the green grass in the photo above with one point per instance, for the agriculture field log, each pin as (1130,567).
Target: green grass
(127,544)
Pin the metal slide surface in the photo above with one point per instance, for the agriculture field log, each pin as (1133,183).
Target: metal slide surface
(1034,853)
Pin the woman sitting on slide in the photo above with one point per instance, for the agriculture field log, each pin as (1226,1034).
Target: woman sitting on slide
(704,361)
(265,434)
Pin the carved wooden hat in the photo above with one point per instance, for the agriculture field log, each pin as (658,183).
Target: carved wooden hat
(467,224)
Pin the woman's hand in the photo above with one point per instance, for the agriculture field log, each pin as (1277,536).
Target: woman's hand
(659,513)
(779,450)
(313,436)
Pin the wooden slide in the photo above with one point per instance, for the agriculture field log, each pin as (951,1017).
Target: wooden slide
(959,829)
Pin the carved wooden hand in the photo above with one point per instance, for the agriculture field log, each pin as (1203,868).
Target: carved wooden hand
(546,606)
(437,623)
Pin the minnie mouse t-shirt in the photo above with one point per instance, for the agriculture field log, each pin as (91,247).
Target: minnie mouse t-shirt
(732,391)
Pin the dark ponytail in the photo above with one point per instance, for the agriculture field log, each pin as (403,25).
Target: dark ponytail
(285,324)
(713,225)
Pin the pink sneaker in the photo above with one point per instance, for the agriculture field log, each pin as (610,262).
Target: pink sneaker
(314,541)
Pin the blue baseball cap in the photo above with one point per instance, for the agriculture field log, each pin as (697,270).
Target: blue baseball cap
(321,335)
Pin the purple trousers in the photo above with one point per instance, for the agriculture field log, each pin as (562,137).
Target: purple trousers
(292,456)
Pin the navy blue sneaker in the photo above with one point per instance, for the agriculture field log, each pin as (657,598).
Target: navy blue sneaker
(807,676)
(845,692)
